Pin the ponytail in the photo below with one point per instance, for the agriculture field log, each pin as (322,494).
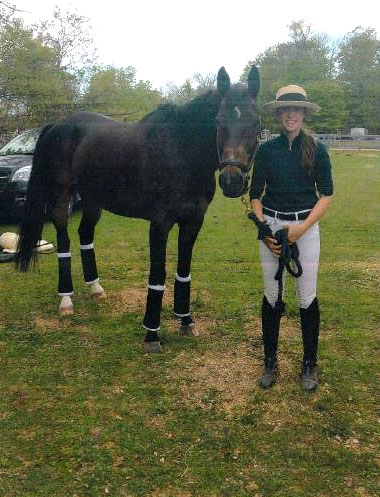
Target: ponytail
(308,147)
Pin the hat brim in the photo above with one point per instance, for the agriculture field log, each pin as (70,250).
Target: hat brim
(272,107)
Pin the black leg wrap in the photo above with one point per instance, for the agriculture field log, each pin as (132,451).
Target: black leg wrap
(152,313)
(181,298)
(65,284)
(270,318)
(90,272)
(310,320)
(151,336)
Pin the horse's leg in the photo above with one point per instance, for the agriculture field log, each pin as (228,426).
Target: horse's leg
(187,236)
(86,230)
(158,237)
(65,285)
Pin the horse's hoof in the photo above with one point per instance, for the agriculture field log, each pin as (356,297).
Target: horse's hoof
(66,311)
(153,347)
(187,330)
(98,295)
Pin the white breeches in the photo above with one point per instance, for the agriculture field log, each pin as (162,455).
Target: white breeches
(309,249)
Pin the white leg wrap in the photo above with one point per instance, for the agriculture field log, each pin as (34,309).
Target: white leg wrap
(87,247)
(151,329)
(158,288)
(63,255)
(183,280)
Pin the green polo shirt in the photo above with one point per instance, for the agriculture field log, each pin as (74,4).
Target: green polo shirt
(281,182)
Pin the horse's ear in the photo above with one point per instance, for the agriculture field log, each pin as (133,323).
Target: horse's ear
(254,82)
(223,82)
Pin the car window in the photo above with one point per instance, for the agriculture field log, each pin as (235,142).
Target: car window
(22,144)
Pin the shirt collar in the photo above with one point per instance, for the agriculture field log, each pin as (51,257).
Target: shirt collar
(296,142)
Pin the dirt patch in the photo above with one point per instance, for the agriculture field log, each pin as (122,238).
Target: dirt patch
(27,434)
(130,299)
(217,379)
(277,414)
(133,299)
(170,491)
(252,326)
(204,327)
(288,328)
(48,323)
(369,272)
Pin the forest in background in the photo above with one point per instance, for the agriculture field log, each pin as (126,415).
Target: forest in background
(49,70)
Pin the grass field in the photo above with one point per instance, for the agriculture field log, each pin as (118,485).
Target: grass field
(85,413)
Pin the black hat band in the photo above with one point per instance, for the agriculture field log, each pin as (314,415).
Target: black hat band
(294,97)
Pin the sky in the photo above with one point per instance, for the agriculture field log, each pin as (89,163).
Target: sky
(168,41)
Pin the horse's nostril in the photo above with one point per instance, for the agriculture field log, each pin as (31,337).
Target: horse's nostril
(234,183)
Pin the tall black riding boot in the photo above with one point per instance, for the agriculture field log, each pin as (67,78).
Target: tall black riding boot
(310,319)
(270,318)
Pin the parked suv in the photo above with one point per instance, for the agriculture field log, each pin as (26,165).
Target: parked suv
(16,159)
(15,165)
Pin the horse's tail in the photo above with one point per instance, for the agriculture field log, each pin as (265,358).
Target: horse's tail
(32,223)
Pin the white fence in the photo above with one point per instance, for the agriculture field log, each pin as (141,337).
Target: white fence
(334,140)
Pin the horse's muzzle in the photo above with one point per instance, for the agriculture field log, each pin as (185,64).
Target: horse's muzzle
(233,181)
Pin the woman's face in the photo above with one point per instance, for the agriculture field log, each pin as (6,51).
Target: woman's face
(291,119)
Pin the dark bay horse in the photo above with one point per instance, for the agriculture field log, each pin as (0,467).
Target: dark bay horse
(161,169)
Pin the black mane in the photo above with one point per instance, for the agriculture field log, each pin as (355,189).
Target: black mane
(201,110)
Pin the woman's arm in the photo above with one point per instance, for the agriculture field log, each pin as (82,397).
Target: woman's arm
(257,208)
(320,208)
(271,243)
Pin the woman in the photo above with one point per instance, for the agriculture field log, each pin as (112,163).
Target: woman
(291,188)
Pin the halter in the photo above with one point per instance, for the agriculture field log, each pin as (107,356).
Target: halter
(234,162)
(244,168)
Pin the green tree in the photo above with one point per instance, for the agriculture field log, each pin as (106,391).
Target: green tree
(114,91)
(31,91)
(204,81)
(359,71)
(330,96)
(192,87)
(69,35)
(180,94)
(5,15)
(306,60)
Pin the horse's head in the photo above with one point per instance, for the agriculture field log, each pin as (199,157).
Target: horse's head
(238,131)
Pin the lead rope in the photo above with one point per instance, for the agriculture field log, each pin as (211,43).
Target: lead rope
(289,252)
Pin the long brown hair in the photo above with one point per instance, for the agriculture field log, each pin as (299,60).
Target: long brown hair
(308,147)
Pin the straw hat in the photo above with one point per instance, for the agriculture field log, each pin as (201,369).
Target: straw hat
(291,96)
(9,242)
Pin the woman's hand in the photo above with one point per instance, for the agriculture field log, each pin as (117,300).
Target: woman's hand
(295,231)
(273,245)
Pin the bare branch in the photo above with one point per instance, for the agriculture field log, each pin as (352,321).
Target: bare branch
(13,8)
